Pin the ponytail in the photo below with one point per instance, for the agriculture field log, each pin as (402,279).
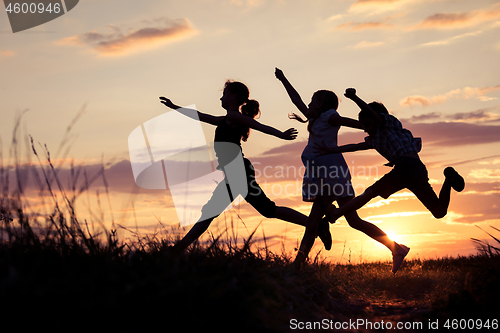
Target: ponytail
(250,109)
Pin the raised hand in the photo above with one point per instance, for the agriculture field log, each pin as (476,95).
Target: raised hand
(289,134)
(279,74)
(165,101)
(350,93)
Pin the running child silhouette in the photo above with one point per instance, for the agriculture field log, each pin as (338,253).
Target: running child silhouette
(234,127)
(388,137)
(327,177)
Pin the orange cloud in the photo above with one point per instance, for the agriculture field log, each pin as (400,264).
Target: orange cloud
(452,39)
(360,3)
(6,53)
(465,93)
(485,207)
(446,20)
(378,6)
(362,26)
(250,3)
(418,99)
(485,174)
(116,42)
(365,44)
(459,20)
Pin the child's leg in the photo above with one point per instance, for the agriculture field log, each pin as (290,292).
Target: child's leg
(213,208)
(370,229)
(196,231)
(351,205)
(290,215)
(399,252)
(268,208)
(390,183)
(438,206)
(441,209)
(317,212)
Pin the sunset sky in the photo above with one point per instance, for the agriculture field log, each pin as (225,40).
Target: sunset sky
(433,63)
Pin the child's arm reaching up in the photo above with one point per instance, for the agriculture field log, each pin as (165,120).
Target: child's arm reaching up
(292,93)
(351,94)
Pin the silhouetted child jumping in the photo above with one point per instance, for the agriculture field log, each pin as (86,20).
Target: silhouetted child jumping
(232,128)
(388,137)
(327,178)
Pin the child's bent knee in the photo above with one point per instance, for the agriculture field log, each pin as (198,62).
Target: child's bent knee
(439,213)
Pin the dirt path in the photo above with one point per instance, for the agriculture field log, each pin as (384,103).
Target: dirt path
(405,312)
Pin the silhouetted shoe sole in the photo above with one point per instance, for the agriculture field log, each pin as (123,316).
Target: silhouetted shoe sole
(457,181)
(399,257)
(324,233)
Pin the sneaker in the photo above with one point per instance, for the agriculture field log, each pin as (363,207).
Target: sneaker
(324,233)
(457,181)
(398,257)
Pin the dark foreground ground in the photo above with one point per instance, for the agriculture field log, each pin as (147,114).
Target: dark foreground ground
(61,279)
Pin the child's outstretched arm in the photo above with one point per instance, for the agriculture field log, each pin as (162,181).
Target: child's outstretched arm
(292,93)
(289,134)
(351,94)
(337,120)
(324,150)
(203,117)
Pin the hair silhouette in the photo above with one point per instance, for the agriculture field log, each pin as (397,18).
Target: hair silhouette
(249,107)
(328,100)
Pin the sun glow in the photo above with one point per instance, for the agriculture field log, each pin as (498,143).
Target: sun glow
(393,236)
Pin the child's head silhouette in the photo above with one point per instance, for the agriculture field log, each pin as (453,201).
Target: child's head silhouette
(321,101)
(240,93)
(324,100)
(367,119)
(238,89)
(378,107)
(375,106)
(249,107)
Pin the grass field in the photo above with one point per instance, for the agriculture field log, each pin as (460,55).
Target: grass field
(60,277)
